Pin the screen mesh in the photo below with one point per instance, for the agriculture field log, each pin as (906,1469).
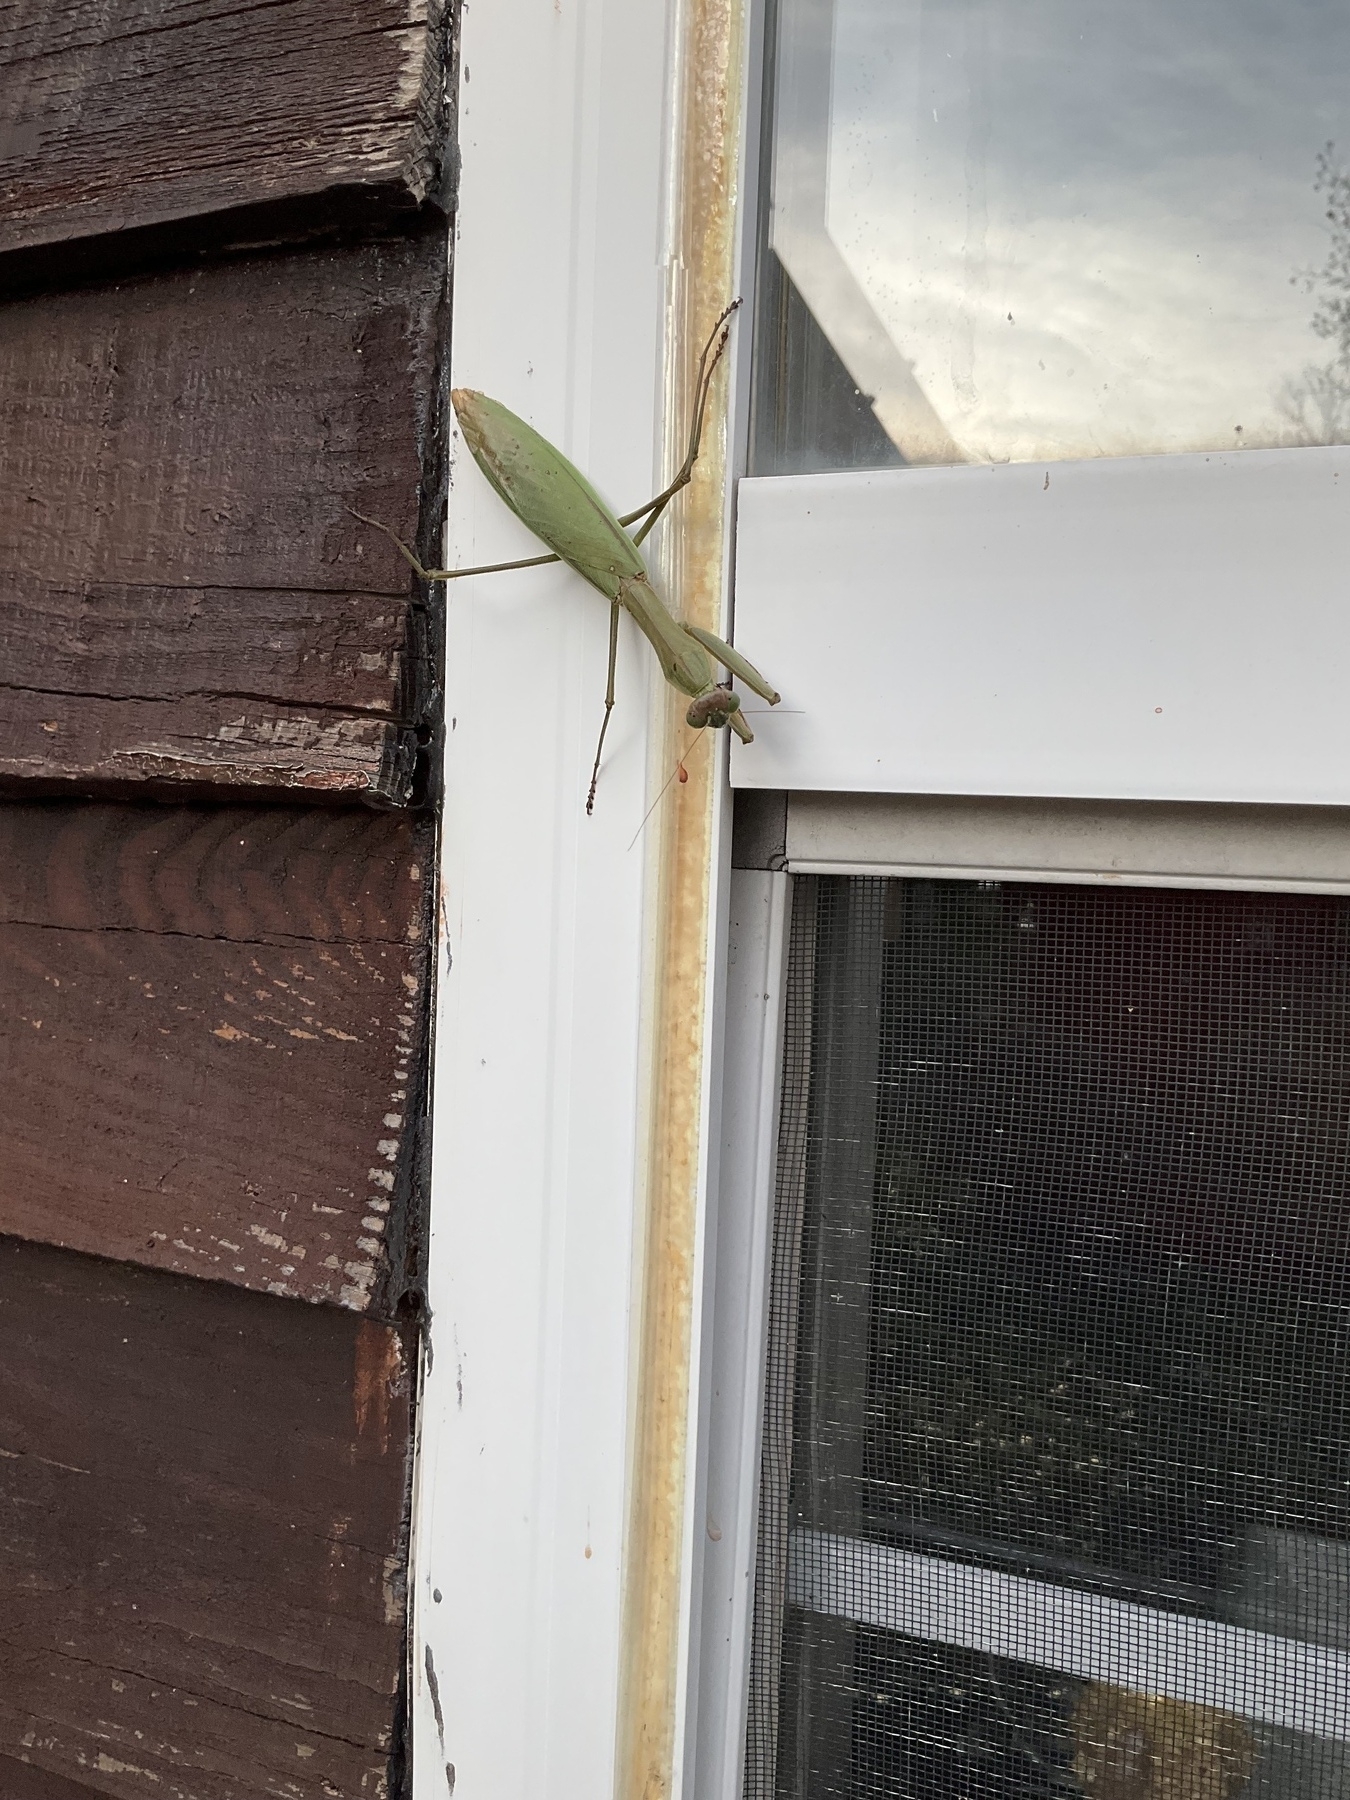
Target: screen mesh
(1056,1475)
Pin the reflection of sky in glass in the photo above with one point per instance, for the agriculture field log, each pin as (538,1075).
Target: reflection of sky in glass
(1079,218)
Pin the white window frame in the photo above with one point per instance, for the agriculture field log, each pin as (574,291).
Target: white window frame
(1152,627)
(1270,849)
(565,274)
(559,310)
(873,598)
(567,285)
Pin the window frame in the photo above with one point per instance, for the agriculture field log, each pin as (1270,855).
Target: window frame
(565,291)
(544,1598)
(1299,842)
(1248,849)
(547,918)
(1149,626)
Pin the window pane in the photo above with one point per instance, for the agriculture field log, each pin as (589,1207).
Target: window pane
(1035,229)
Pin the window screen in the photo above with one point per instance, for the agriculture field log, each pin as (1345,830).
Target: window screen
(1056,1474)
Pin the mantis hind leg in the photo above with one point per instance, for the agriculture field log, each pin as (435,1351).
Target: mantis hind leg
(529,562)
(609,703)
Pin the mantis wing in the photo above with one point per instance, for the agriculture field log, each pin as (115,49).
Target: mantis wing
(553,497)
(548,493)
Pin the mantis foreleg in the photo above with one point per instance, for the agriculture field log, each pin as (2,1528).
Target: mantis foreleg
(732,659)
(609,702)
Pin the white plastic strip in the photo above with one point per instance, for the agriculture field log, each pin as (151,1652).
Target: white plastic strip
(1137,628)
(1276,1680)
(734,1403)
(560,269)
(1289,849)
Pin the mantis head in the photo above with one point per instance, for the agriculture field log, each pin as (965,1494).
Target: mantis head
(713,708)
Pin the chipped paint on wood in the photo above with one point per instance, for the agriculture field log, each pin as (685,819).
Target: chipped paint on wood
(380,1375)
(209,1009)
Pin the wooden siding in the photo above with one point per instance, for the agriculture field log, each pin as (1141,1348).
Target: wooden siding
(138,127)
(212,1055)
(202,1535)
(223,324)
(186,604)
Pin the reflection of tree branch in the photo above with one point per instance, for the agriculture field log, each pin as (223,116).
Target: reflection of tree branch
(1331,318)
(1315,405)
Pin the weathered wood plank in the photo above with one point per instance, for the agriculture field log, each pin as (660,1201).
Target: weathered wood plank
(185,602)
(134,115)
(23,1781)
(202,1536)
(212,1040)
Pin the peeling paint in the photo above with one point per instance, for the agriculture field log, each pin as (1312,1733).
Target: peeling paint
(109,1765)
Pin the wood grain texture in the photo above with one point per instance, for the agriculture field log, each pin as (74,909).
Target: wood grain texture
(131,115)
(21,1780)
(186,605)
(202,1539)
(212,1040)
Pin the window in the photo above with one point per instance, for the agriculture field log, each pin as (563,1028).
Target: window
(1042,537)
(998,676)
(1052,346)
(1055,1490)
(1020,232)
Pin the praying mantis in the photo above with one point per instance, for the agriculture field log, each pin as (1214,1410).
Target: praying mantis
(551,495)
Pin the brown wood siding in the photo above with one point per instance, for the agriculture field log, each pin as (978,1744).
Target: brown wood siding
(202,1534)
(213,1045)
(136,115)
(223,322)
(21,1780)
(185,602)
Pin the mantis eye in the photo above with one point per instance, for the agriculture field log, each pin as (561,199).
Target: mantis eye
(712,708)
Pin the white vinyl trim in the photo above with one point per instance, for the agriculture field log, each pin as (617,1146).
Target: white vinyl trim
(562,267)
(1204,1662)
(1134,628)
(734,1329)
(1282,849)
(1087,877)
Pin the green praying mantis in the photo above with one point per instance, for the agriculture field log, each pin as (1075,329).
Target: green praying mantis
(551,495)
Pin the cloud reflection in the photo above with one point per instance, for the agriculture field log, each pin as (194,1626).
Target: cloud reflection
(1080,221)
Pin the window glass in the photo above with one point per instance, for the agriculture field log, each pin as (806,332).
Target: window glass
(1023,229)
